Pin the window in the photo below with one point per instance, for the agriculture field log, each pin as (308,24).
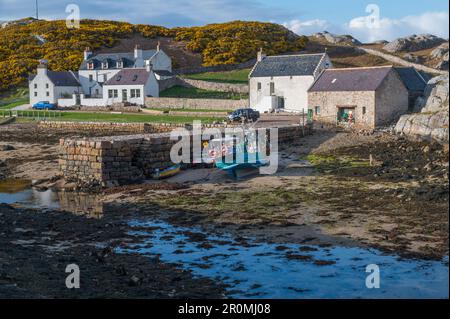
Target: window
(119,64)
(364,110)
(35,85)
(35,93)
(48,93)
(317,110)
(113,94)
(272,88)
(90,65)
(135,93)
(104,65)
(96,92)
(259,86)
(46,85)
(91,78)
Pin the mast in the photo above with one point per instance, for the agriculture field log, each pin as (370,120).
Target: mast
(37,10)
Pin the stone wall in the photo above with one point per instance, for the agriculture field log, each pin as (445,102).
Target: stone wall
(211,104)
(109,161)
(215,86)
(108,127)
(217,68)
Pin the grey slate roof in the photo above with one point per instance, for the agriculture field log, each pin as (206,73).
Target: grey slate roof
(129,77)
(61,78)
(353,79)
(112,58)
(163,72)
(412,80)
(287,65)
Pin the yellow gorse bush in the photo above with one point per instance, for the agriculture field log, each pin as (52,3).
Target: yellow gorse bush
(225,43)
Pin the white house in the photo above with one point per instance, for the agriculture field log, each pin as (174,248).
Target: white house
(282,82)
(52,85)
(131,85)
(88,84)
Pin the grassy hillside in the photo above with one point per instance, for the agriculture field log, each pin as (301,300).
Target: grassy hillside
(226,43)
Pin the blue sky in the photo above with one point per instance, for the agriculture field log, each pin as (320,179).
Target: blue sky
(396,17)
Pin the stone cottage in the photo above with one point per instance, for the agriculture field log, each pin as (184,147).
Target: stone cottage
(365,97)
(282,82)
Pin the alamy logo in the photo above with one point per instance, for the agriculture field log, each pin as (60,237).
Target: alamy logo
(373,280)
(73,280)
(233,145)
(73,19)
(373,19)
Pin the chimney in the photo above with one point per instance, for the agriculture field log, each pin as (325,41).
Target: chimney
(260,55)
(148,66)
(42,68)
(137,52)
(158,47)
(87,53)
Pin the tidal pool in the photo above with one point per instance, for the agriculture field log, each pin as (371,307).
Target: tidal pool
(20,192)
(265,270)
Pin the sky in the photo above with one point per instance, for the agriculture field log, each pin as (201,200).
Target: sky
(366,20)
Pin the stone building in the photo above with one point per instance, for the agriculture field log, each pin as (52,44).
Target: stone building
(363,97)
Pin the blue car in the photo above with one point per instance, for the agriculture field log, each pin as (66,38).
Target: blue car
(44,105)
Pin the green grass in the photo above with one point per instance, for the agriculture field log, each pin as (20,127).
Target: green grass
(233,77)
(108,117)
(162,109)
(195,93)
(14,98)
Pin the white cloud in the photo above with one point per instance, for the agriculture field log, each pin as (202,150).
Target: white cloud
(388,29)
(435,23)
(307,27)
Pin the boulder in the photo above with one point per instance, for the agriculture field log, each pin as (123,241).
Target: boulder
(411,58)
(413,43)
(433,120)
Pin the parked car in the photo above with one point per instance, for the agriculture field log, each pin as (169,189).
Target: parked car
(246,115)
(44,105)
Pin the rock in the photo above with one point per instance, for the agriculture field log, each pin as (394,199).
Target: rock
(432,123)
(337,39)
(413,43)
(440,51)
(6,147)
(134,281)
(426,149)
(411,58)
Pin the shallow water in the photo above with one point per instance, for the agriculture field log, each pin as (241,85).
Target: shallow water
(21,193)
(263,270)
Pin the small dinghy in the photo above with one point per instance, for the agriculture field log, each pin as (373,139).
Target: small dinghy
(167,172)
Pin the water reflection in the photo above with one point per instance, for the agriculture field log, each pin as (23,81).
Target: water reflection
(21,193)
(266,270)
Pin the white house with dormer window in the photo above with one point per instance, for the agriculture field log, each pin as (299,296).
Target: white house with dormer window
(97,71)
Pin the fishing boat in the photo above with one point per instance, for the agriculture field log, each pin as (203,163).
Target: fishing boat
(237,158)
(167,172)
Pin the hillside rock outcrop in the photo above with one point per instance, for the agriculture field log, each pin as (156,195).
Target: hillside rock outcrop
(336,39)
(413,43)
(431,123)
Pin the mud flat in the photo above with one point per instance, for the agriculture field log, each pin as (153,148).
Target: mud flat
(364,196)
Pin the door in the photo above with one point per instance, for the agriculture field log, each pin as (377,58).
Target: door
(124,95)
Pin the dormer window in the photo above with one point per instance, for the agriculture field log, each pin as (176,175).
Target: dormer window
(104,65)
(135,77)
(119,64)
(90,65)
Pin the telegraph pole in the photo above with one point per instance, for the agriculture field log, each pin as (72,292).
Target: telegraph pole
(37,10)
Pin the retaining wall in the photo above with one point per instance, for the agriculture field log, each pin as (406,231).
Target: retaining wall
(109,161)
(210,104)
